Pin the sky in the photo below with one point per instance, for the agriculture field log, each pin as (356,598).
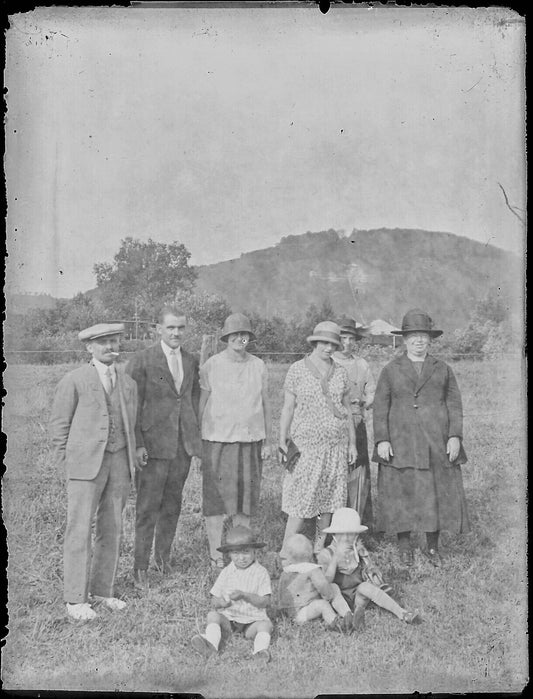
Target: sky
(226,129)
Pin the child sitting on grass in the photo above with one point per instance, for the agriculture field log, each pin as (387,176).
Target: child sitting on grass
(346,562)
(241,594)
(304,591)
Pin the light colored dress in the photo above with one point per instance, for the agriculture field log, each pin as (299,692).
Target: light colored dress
(318,482)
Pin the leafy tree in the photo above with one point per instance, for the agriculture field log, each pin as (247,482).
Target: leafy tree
(143,276)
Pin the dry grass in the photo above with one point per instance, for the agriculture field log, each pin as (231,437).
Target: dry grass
(473,637)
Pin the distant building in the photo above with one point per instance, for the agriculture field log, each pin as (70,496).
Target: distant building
(379,332)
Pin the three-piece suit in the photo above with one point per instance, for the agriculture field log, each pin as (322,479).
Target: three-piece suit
(93,436)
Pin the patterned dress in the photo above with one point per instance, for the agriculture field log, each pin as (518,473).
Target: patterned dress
(318,482)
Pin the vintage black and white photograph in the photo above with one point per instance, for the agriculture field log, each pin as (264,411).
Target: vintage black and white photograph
(265,349)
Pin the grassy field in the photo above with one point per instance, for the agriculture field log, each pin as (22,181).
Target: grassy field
(474,632)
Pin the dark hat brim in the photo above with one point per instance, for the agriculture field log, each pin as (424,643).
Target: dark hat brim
(224,338)
(226,548)
(431,333)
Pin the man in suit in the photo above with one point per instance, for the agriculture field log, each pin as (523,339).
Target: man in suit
(92,431)
(167,436)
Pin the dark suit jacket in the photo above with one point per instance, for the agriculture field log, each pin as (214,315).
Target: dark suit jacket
(79,421)
(417,414)
(163,414)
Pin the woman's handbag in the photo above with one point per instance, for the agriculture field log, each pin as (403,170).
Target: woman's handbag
(290,457)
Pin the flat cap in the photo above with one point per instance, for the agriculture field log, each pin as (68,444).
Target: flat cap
(101,330)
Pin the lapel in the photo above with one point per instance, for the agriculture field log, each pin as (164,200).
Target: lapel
(160,361)
(407,368)
(428,368)
(94,384)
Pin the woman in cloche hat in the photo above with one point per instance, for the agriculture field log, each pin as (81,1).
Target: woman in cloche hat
(418,433)
(236,431)
(315,415)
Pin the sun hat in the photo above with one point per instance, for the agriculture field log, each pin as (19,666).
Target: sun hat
(345,520)
(326,331)
(416,320)
(298,549)
(240,537)
(236,323)
(100,330)
(350,327)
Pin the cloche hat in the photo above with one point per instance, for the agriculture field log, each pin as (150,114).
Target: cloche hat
(238,538)
(326,331)
(349,326)
(100,330)
(345,520)
(236,323)
(416,320)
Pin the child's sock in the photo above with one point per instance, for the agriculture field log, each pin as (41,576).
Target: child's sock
(213,634)
(381,598)
(261,641)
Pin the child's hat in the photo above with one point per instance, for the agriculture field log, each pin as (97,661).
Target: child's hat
(345,520)
(240,538)
(298,549)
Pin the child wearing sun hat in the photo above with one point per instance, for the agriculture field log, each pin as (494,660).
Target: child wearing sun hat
(304,591)
(346,563)
(241,594)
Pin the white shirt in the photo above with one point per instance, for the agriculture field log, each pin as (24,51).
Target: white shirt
(102,372)
(167,350)
(254,579)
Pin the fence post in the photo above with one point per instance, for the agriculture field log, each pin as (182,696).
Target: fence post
(209,344)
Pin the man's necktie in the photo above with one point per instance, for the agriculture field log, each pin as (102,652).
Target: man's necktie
(175,369)
(108,381)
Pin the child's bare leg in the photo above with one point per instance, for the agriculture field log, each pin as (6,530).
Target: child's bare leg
(371,592)
(314,610)
(260,632)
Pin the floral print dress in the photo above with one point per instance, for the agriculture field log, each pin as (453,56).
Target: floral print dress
(318,482)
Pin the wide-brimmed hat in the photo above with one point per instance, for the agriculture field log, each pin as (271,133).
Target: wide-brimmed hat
(236,323)
(298,549)
(326,331)
(345,520)
(240,538)
(350,327)
(416,320)
(100,330)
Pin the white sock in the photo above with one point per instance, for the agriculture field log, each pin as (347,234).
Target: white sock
(261,641)
(213,634)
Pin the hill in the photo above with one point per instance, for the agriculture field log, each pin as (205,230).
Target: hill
(21,303)
(370,274)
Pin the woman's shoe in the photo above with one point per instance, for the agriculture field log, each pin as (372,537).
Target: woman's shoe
(411,617)
(433,557)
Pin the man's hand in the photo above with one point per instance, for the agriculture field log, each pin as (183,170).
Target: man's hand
(352,453)
(452,448)
(385,451)
(142,458)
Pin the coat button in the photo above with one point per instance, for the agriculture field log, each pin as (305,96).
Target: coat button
(415,406)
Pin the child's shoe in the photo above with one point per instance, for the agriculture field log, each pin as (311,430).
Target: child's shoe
(262,656)
(411,617)
(347,623)
(203,646)
(335,625)
(358,619)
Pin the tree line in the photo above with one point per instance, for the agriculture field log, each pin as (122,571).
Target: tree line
(144,275)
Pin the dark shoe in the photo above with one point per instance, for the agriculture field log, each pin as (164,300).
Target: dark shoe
(262,656)
(347,622)
(411,617)
(433,557)
(202,646)
(140,579)
(407,558)
(358,619)
(335,625)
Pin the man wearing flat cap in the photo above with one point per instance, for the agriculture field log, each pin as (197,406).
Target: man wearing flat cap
(92,430)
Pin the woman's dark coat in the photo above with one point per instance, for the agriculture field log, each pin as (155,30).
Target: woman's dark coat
(418,414)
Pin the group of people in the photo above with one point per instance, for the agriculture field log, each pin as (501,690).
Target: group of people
(110,427)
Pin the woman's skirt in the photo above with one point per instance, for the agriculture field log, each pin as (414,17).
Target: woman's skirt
(425,500)
(231,477)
